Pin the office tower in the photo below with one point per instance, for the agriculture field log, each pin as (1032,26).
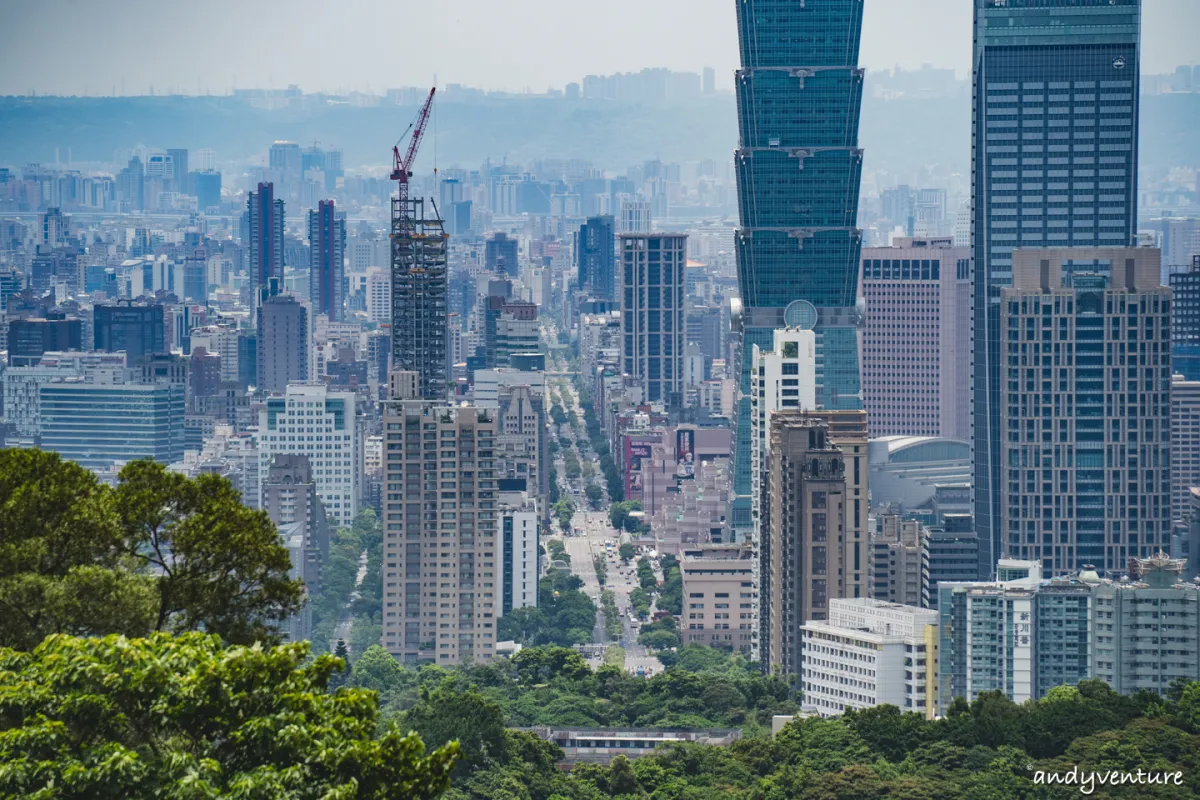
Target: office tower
(518,551)
(283,338)
(653,313)
(916,362)
(516,331)
(131,185)
(801,560)
(899,568)
(1054,165)
(1085,406)
(56,227)
(1157,610)
(29,338)
(286,162)
(327,249)
(247,359)
(1185,444)
(135,327)
(101,421)
(952,552)
(635,216)
(313,421)
(500,255)
(521,436)
(442,549)
(289,496)
(798,167)
(869,653)
(206,186)
(596,257)
(1185,321)
(719,597)
(419,292)
(179,170)
(163,368)
(264,231)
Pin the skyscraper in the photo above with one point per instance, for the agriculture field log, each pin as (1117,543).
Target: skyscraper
(595,256)
(264,229)
(798,167)
(1054,165)
(136,328)
(283,337)
(420,284)
(1085,408)
(917,338)
(327,248)
(652,313)
(500,255)
(447,616)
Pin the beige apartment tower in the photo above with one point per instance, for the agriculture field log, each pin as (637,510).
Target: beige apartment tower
(442,576)
(1085,391)
(802,563)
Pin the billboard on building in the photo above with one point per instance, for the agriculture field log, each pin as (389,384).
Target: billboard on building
(685,453)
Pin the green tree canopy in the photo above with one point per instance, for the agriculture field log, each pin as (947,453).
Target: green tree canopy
(166,717)
(159,552)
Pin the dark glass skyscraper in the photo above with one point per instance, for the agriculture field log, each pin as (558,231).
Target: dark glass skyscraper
(1054,165)
(798,168)
(596,257)
(327,247)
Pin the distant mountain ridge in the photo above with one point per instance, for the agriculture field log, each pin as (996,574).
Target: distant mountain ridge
(899,135)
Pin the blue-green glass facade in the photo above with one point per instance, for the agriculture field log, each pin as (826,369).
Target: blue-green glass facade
(98,425)
(798,165)
(1054,152)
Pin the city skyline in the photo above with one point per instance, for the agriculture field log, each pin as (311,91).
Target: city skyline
(355,52)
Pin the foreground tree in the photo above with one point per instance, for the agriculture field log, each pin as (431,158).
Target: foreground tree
(167,717)
(160,552)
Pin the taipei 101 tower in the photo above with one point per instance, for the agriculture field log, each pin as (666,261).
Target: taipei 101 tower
(798,164)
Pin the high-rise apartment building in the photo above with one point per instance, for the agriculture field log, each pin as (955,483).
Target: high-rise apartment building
(782,379)
(801,560)
(653,313)
(313,421)
(798,165)
(869,653)
(283,341)
(899,562)
(419,295)
(1085,408)
(596,257)
(916,362)
(1054,157)
(518,551)
(635,216)
(264,239)
(137,328)
(442,551)
(1145,634)
(327,250)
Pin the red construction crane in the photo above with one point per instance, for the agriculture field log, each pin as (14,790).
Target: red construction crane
(402,168)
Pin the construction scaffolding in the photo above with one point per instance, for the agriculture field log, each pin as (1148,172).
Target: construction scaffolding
(419,289)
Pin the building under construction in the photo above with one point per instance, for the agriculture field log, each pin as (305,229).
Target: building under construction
(419,288)
(419,280)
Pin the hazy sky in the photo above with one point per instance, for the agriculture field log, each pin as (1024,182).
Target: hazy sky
(102,46)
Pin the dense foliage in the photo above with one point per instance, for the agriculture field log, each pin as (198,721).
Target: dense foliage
(341,596)
(990,749)
(157,552)
(185,717)
(564,614)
